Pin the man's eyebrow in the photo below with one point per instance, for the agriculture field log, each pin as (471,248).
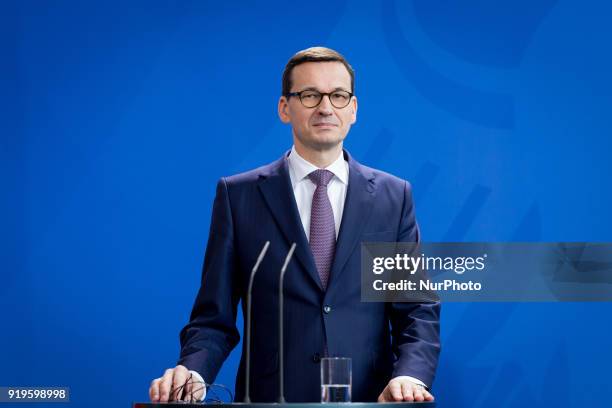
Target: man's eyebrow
(314,88)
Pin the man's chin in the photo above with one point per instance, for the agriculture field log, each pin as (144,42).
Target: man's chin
(325,142)
(320,141)
(322,146)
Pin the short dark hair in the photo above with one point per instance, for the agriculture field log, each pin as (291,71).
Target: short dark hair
(314,54)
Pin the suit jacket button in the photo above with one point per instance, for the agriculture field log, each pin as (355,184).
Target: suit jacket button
(326,309)
(316,358)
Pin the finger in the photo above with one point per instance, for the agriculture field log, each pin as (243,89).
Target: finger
(417,391)
(395,388)
(154,390)
(165,384)
(188,388)
(407,393)
(178,384)
(197,392)
(428,396)
(187,385)
(381,397)
(385,396)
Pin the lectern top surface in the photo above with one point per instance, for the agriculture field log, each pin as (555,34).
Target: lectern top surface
(289,405)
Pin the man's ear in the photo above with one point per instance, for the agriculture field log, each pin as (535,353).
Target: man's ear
(354,110)
(283,110)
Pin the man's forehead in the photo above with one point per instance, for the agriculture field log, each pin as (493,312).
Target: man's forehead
(328,74)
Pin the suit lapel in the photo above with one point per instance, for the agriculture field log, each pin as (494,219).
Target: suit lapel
(275,186)
(357,208)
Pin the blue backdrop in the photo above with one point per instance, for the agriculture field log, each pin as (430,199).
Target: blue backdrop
(118,118)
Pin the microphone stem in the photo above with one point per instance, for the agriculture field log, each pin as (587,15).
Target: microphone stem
(247,397)
(281,372)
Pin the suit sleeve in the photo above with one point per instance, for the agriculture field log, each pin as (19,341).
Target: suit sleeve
(415,327)
(211,333)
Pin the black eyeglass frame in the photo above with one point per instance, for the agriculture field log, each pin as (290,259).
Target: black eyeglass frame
(328,94)
(176,394)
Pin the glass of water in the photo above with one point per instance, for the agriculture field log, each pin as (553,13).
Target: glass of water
(336,379)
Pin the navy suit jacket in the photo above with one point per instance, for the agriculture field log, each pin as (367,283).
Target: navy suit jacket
(384,340)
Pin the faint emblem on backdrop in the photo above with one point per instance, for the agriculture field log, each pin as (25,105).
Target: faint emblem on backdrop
(491,36)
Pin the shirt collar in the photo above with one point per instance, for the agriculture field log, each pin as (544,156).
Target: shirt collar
(302,168)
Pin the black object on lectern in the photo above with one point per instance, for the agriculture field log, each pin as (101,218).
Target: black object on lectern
(289,405)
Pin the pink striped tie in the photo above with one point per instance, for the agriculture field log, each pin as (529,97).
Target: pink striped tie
(322,226)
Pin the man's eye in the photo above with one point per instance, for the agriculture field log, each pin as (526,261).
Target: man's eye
(309,96)
(340,96)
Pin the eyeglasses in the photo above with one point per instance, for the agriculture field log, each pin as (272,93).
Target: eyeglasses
(191,387)
(312,99)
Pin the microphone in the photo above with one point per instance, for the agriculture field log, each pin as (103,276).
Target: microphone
(247,398)
(281,397)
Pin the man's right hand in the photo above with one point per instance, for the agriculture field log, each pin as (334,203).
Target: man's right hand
(177,384)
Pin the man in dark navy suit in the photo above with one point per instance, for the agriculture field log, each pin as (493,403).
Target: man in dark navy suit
(319,197)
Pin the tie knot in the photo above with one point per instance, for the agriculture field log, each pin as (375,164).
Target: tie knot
(321,177)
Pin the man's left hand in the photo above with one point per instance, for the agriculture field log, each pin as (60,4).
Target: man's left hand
(402,389)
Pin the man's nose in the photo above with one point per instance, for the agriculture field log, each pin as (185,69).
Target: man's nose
(325,107)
